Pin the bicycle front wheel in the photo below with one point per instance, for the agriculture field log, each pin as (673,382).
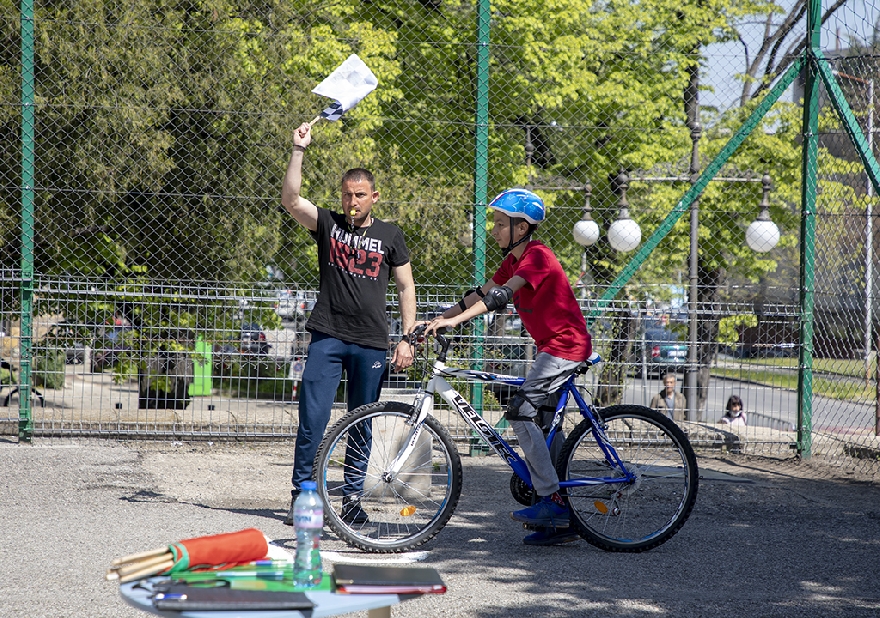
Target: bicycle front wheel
(637,515)
(368,506)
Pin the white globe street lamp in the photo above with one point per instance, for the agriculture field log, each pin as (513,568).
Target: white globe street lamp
(762,235)
(586,231)
(624,234)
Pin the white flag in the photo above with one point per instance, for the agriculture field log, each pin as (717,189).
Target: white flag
(347,85)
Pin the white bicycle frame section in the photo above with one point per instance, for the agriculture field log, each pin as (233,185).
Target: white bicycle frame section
(424,403)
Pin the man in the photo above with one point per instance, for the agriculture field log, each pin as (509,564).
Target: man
(531,275)
(669,401)
(357,253)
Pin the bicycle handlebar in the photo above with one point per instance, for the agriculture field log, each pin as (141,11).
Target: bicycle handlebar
(418,334)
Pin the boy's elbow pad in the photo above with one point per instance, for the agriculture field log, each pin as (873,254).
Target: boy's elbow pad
(498,297)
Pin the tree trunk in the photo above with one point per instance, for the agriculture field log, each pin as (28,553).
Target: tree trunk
(708,318)
(612,379)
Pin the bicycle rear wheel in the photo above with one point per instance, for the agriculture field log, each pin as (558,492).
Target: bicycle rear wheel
(367,509)
(639,515)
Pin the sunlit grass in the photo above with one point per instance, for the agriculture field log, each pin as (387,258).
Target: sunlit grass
(846,367)
(848,386)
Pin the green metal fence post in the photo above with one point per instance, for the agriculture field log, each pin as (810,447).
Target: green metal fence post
(844,111)
(25,420)
(481,174)
(809,179)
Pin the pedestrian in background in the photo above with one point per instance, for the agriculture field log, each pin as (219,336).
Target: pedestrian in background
(669,401)
(734,414)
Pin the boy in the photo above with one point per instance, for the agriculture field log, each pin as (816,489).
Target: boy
(531,275)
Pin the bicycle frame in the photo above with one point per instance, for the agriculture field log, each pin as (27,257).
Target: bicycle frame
(438,384)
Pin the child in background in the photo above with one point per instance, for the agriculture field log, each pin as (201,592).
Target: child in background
(734,414)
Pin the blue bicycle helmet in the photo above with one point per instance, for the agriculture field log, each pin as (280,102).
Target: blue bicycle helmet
(520,203)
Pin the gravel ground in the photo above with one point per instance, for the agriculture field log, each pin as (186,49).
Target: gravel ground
(766,538)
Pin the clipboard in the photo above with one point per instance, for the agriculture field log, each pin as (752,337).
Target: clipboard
(367,579)
(180,597)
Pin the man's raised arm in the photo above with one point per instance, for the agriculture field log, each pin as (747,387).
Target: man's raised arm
(305,213)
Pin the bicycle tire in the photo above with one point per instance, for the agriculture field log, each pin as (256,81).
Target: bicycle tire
(636,516)
(402,513)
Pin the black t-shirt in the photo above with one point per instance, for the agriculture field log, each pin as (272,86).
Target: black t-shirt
(355,268)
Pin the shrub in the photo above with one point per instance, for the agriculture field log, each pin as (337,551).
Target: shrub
(49,366)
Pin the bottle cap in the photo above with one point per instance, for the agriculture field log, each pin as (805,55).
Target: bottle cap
(309,486)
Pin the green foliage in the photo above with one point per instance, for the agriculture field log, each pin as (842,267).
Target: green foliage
(729,328)
(49,367)
(257,378)
(164,131)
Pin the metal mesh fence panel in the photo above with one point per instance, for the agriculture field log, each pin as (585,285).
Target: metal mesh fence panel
(172,289)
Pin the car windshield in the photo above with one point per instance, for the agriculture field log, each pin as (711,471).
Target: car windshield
(661,335)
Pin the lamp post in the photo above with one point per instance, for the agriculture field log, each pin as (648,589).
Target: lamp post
(586,233)
(624,234)
(692,111)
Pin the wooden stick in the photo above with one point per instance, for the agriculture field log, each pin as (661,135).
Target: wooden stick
(143,564)
(317,118)
(147,572)
(140,556)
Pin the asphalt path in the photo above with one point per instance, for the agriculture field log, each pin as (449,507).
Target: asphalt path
(766,406)
(766,538)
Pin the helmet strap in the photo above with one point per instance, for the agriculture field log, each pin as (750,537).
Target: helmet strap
(513,245)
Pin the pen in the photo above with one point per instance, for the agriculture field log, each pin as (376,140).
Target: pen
(258,574)
(238,573)
(279,564)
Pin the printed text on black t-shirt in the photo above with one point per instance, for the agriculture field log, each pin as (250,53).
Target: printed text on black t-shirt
(357,255)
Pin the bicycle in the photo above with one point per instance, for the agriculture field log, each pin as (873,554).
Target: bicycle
(390,474)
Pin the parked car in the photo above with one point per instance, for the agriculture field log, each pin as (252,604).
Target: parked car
(253,339)
(508,350)
(665,350)
(304,303)
(285,305)
(223,358)
(764,350)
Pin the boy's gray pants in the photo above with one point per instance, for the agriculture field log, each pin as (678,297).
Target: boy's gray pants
(547,375)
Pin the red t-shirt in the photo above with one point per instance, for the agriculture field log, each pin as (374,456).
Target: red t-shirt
(546,304)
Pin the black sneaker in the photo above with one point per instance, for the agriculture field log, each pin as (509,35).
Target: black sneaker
(288,521)
(352,513)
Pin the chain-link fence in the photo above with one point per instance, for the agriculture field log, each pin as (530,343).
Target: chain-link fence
(157,288)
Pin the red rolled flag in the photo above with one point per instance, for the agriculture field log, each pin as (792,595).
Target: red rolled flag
(219,550)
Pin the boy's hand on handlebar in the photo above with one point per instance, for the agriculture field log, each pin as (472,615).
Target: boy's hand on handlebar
(438,326)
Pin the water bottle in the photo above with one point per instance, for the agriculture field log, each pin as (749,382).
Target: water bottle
(308,519)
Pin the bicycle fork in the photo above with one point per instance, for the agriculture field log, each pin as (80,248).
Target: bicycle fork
(424,403)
